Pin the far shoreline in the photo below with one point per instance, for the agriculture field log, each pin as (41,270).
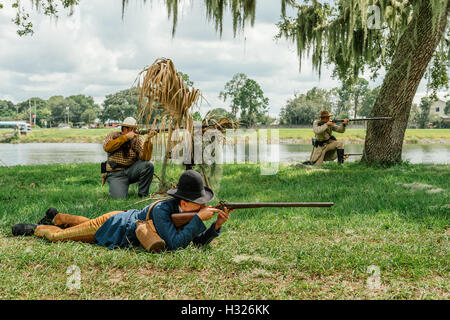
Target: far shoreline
(287,136)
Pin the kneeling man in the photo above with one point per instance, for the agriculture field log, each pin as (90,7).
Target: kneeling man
(119,228)
(326,147)
(128,160)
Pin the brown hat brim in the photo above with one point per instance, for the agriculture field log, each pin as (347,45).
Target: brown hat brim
(198,199)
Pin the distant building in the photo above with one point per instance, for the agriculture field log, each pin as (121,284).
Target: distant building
(446,119)
(437,110)
(111,123)
(25,127)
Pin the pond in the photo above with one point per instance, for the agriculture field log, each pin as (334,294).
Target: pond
(62,153)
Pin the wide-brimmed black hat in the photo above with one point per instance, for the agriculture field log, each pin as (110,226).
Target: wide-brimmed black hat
(191,188)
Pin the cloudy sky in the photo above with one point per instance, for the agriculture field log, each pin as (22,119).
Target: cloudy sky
(95,52)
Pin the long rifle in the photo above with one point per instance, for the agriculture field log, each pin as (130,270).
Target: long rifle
(363,119)
(145,131)
(182,218)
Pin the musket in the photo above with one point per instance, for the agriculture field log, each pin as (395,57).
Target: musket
(220,125)
(182,218)
(146,131)
(363,119)
(353,154)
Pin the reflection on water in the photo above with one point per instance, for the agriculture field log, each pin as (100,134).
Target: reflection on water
(432,153)
(60,153)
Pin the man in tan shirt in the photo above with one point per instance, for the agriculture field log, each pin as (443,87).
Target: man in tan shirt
(327,148)
(128,160)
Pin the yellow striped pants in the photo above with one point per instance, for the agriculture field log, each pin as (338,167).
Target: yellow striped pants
(80,228)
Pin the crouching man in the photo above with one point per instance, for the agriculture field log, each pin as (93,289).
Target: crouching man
(326,147)
(151,227)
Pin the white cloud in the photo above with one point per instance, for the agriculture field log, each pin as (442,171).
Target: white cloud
(97,53)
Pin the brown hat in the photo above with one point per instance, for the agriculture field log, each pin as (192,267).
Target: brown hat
(191,188)
(325,114)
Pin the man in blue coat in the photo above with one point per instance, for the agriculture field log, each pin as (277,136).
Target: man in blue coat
(118,228)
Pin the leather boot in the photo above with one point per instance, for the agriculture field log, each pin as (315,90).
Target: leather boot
(23,229)
(49,216)
(340,153)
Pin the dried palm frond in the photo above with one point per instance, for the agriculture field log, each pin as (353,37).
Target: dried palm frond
(164,106)
(165,100)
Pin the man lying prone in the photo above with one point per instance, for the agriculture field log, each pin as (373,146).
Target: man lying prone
(151,227)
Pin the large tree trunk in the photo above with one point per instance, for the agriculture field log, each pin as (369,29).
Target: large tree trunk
(384,139)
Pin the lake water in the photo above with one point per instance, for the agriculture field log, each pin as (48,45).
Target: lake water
(60,153)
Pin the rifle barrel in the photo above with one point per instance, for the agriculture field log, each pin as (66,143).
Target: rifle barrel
(145,131)
(252,205)
(364,119)
(182,218)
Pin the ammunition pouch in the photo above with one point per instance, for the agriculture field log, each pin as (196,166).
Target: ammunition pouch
(316,143)
(147,234)
(113,165)
(148,237)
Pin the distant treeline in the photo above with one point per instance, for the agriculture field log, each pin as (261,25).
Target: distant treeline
(76,109)
(246,102)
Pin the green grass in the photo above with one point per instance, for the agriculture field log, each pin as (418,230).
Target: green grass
(302,135)
(67,135)
(290,253)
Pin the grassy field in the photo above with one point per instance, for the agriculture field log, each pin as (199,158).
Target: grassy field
(299,135)
(393,220)
(66,135)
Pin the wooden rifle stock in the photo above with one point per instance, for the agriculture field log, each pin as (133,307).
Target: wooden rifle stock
(183,218)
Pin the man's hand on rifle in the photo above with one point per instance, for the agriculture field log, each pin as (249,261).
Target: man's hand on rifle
(222,217)
(130,135)
(330,123)
(207,213)
(345,121)
(151,134)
